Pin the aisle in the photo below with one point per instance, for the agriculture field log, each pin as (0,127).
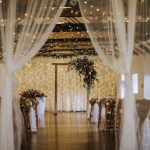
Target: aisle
(70,131)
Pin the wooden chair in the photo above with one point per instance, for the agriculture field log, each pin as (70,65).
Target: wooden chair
(25,112)
(110,115)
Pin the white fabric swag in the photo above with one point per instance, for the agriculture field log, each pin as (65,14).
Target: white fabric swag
(71,93)
(113,39)
(25,26)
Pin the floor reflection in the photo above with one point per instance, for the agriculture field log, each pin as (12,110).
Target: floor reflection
(71,131)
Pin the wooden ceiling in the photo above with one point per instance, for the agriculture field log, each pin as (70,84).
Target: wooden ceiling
(70,33)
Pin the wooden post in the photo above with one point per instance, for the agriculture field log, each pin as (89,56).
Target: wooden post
(56,75)
(88,97)
(55,107)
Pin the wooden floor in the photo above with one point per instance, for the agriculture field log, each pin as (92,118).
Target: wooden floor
(70,131)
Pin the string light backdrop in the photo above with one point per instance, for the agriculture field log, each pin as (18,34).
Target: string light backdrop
(39,74)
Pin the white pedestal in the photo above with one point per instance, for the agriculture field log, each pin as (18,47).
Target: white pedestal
(32,118)
(41,107)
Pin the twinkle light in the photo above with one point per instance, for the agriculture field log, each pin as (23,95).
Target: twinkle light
(39,74)
(104,13)
(77,12)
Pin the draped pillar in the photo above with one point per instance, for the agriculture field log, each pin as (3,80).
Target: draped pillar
(25,27)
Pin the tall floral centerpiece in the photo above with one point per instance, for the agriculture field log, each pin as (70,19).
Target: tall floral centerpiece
(28,98)
(86,69)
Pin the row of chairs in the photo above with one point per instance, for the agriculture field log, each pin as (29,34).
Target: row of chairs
(113,117)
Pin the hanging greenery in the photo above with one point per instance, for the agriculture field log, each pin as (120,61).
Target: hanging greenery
(58,54)
(29,99)
(85,68)
(32,93)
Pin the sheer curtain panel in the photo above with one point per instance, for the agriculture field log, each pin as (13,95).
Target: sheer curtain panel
(25,25)
(111,27)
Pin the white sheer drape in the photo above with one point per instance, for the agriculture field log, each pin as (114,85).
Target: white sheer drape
(41,107)
(113,39)
(95,114)
(32,118)
(145,142)
(102,126)
(39,74)
(25,26)
(71,93)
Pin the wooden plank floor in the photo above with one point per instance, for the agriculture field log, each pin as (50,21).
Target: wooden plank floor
(70,131)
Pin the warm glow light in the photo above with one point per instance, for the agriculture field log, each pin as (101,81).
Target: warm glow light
(40,74)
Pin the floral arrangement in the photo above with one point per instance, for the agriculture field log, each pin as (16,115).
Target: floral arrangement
(85,68)
(26,103)
(44,52)
(32,94)
(29,98)
(93,101)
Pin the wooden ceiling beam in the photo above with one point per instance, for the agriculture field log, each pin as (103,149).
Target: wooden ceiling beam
(70,27)
(63,49)
(69,40)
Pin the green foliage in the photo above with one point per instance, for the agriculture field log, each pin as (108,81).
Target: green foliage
(85,68)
